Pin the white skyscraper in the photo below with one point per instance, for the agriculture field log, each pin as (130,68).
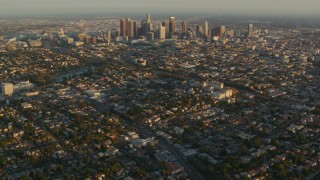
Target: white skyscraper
(250,30)
(162,31)
(148,24)
(172,25)
(206,28)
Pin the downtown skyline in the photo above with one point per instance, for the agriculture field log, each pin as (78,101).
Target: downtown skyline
(246,7)
(159,90)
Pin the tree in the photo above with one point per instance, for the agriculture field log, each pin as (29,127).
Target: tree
(59,168)
(2,160)
(282,172)
(25,177)
(141,172)
(107,172)
(29,131)
(89,172)
(257,142)
(274,142)
(115,167)
(67,177)
(243,148)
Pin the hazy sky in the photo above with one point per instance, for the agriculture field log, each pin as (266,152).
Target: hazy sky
(250,7)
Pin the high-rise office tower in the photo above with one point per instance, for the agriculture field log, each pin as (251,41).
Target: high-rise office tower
(222,31)
(209,33)
(108,35)
(172,25)
(117,33)
(219,31)
(131,29)
(88,40)
(250,30)
(123,27)
(125,38)
(148,19)
(150,36)
(206,28)
(166,25)
(135,29)
(148,24)
(184,27)
(142,29)
(199,30)
(94,40)
(215,31)
(162,31)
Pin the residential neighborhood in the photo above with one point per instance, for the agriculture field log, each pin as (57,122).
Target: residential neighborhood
(81,101)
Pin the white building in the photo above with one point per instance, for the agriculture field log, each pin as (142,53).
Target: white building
(78,43)
(36,43)
(162,32)
(7,89)
(206,28)
(23,85)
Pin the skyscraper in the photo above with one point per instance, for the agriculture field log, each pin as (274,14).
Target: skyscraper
(109,35)
(206,28)
(123,27)
(142,29)
(88,40)
(162,31)
(199,30)
(215,31)
(150,36)
(166,25)
(219,31)
(148,24)
(184,27)
(172,26)
(210,34)
(130,29)
(94,40)
(135,33)
(222,31)
(148,19)
(250,30)
(117,34)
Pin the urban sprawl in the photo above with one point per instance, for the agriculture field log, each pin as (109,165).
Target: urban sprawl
(164,98)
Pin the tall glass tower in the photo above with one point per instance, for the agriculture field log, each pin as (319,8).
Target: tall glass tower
(250,30)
